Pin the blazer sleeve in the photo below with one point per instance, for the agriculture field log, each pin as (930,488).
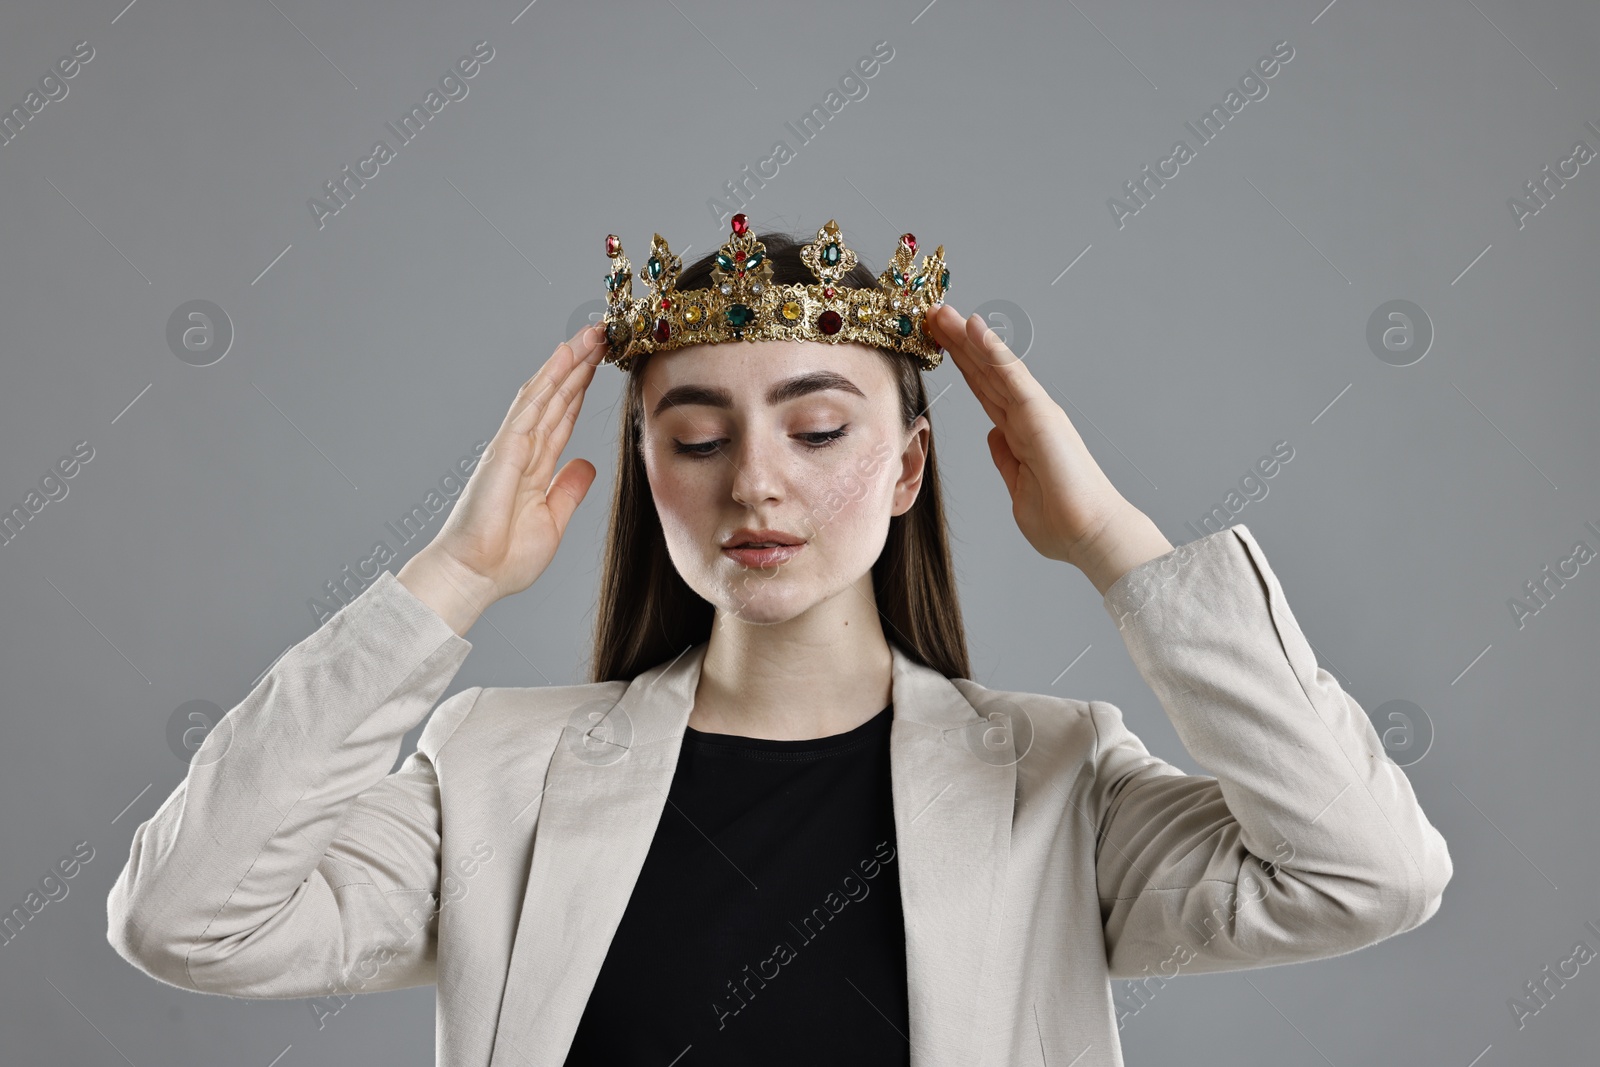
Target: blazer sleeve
(289,862)
(1307,843)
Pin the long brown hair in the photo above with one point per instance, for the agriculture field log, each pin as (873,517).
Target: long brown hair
(647,612)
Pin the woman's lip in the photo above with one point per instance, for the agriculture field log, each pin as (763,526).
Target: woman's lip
(763,557)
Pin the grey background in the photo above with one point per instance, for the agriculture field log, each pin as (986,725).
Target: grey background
(1229,314)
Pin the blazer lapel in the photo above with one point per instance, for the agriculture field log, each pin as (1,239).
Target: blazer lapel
(953,783)
(604,792)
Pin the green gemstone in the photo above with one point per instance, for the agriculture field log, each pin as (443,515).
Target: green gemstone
(830,254)
(654,266)
(611,281)
(944,280)
(916,283)
(899,279)
(753,260)
(723,261)
(904,325)
(740,316)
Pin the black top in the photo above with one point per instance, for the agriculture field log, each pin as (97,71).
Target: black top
(766,926)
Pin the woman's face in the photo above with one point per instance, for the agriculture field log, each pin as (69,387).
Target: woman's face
(800,439)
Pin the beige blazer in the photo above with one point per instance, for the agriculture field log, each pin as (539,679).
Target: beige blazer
(1042,850)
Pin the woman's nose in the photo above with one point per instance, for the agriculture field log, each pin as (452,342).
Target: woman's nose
(757,476)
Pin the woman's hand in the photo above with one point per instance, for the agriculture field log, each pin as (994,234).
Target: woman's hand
(506,524)
(1062,501)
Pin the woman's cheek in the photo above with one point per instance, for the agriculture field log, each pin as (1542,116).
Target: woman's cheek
(851,488)
(874,463)
(868,476)
(677,499)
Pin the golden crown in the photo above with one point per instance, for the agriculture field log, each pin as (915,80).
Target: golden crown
(742,302)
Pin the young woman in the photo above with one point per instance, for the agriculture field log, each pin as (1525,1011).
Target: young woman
(781,824)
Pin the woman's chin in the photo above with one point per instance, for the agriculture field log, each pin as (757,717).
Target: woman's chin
(766,607)
(758,614)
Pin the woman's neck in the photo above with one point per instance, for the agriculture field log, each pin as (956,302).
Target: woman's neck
(826,671)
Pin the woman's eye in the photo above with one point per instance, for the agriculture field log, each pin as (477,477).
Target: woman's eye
(815,439)
(823,438)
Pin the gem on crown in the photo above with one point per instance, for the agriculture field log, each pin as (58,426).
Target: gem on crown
(742,302)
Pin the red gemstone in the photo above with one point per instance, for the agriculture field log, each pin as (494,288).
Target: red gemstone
(613,244)
(909,241)
(829,322)
(741,274)
(828,291)
(663,331)
(665,302)
(739,223)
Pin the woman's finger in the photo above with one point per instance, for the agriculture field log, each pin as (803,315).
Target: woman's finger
(553,419)
(586,347)
(1008,375)
(1003,377)
(952,333)
(1003,458)
(537,392)
(567,490)
(551,433)
(953,337)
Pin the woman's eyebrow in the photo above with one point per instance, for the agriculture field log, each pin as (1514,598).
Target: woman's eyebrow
(788,389)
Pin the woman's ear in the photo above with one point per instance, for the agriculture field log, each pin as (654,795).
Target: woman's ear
(913,458)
